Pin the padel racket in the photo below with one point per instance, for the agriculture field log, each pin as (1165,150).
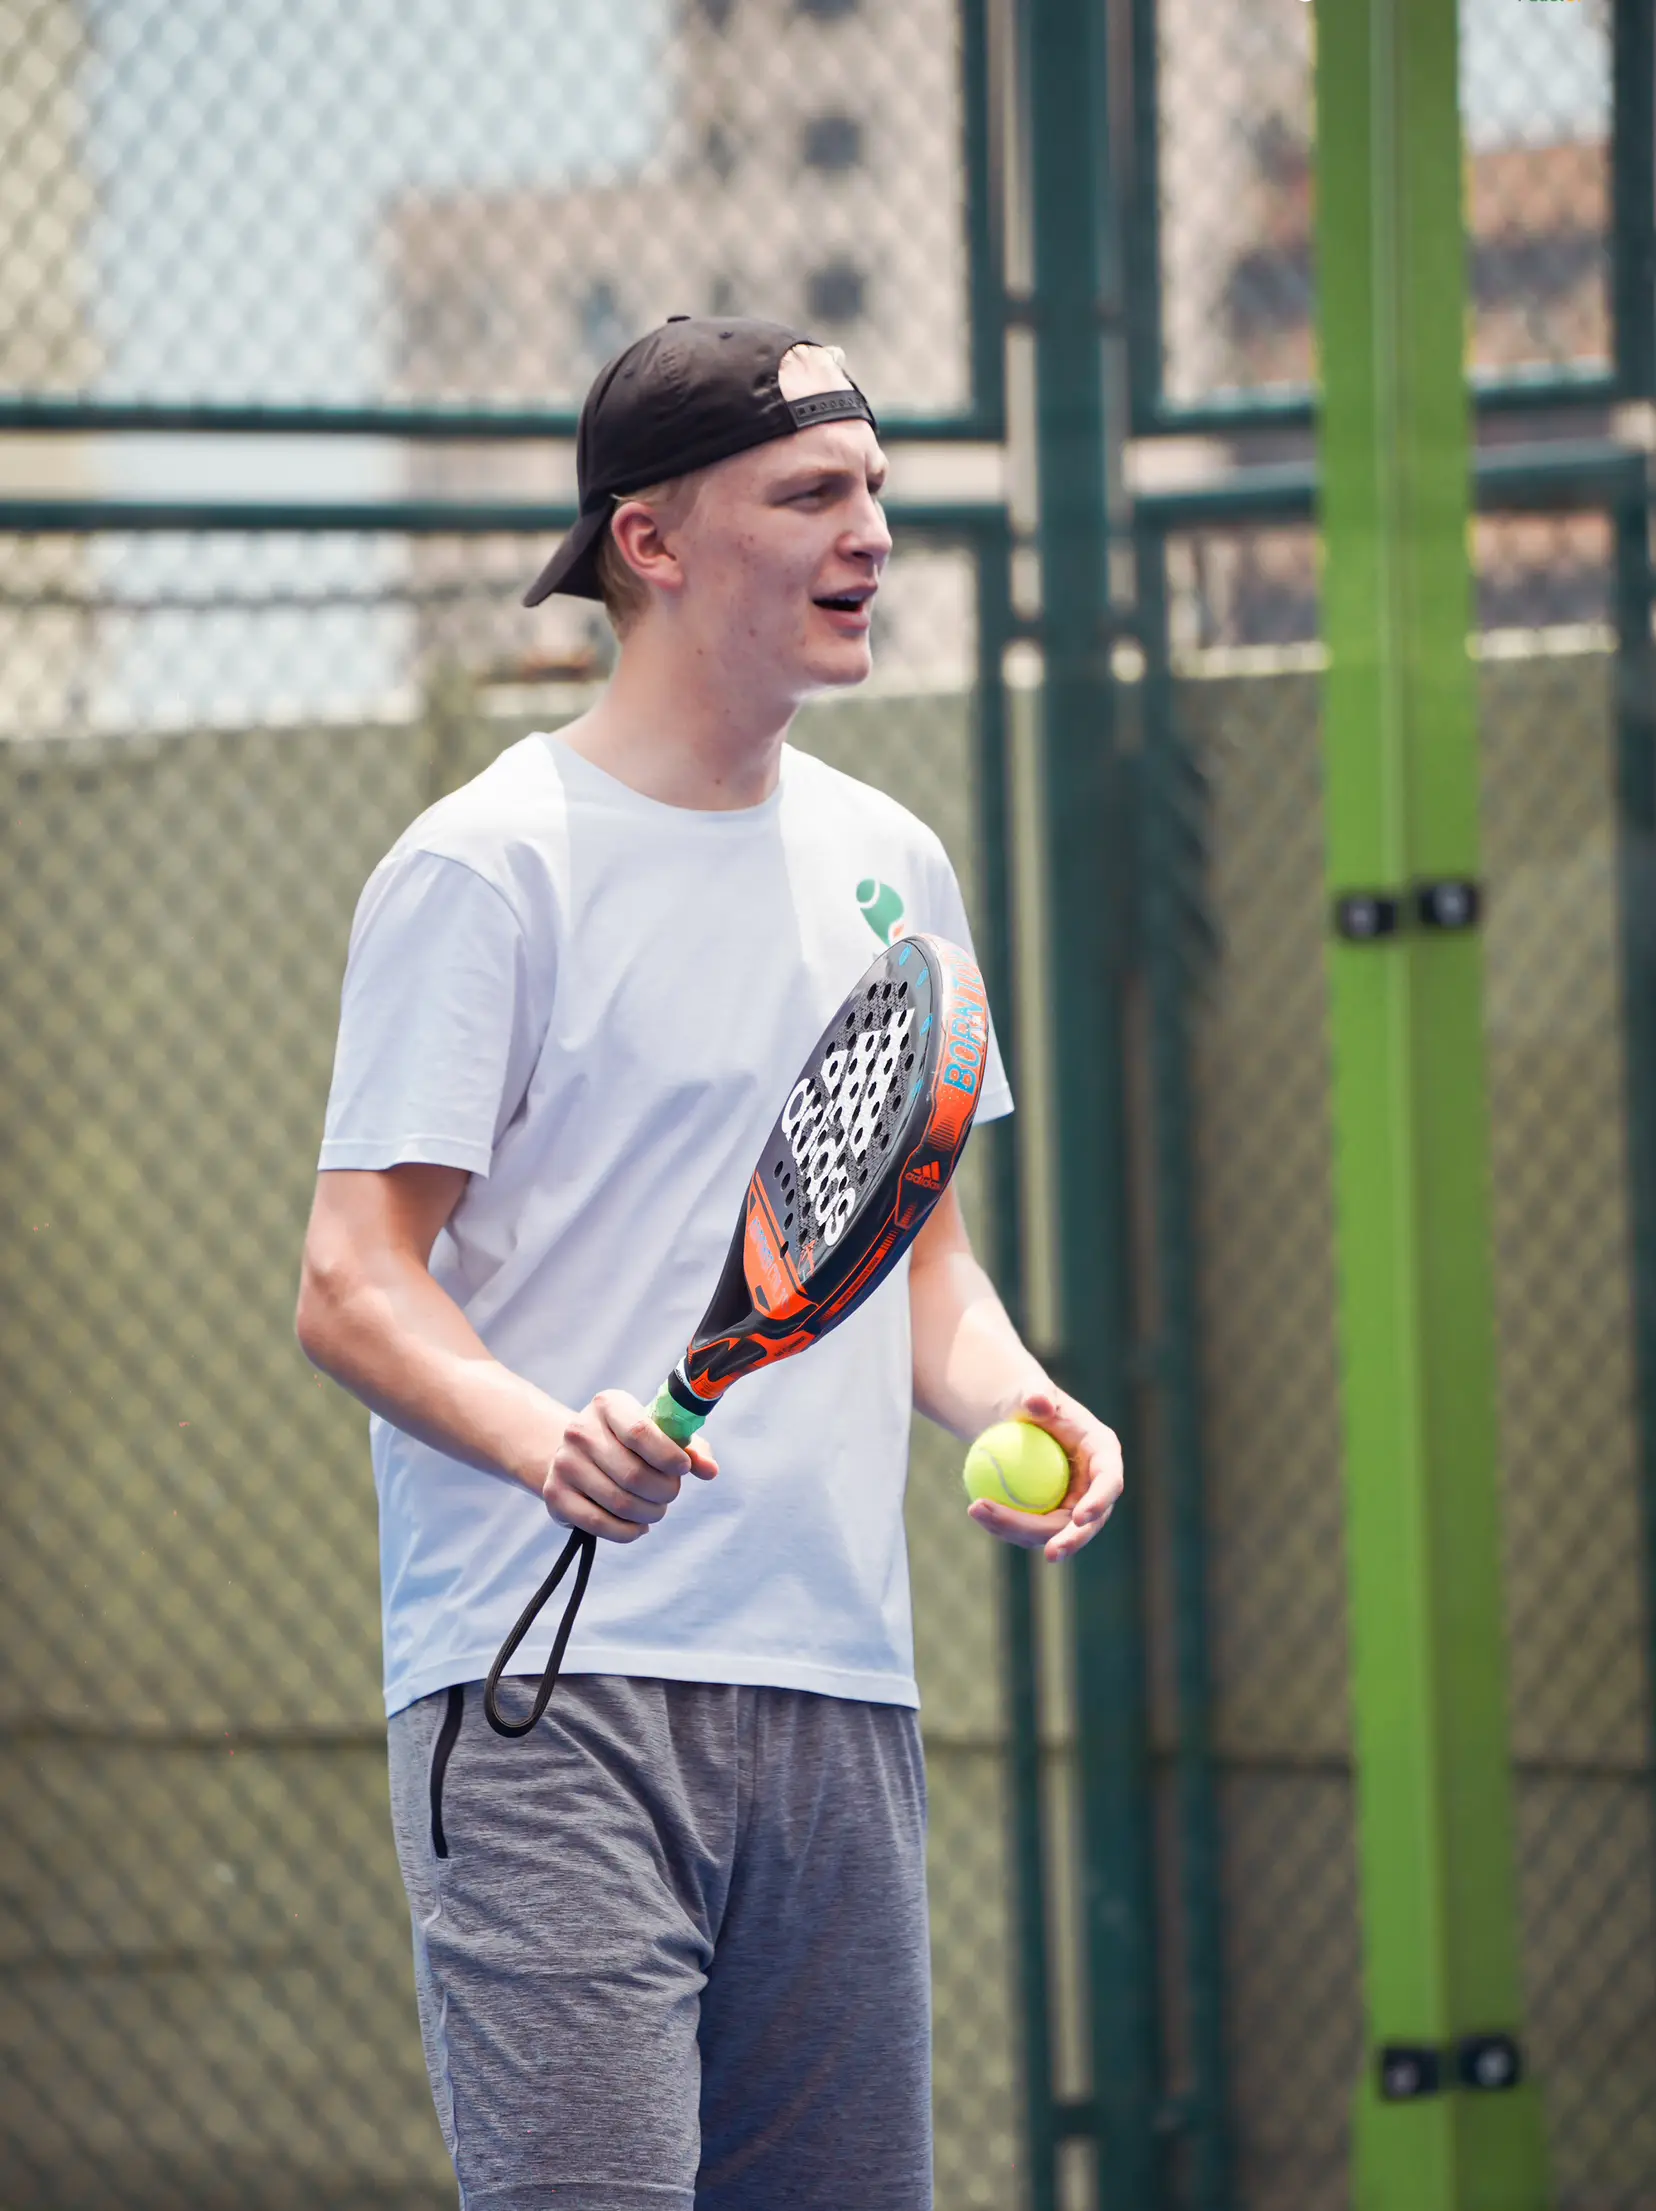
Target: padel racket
(862,1150)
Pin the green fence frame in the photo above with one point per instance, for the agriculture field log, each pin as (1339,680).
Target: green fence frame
(1173,940)
(1636,791)
(1086,846)
(997,626)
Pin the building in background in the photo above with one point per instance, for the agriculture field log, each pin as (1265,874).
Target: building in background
(811,172)
(1237,257)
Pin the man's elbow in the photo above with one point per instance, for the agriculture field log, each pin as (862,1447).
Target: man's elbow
(322,1298)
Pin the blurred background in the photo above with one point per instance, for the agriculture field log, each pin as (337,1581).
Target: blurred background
(297,304)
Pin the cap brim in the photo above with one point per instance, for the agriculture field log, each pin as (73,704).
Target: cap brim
(573,568)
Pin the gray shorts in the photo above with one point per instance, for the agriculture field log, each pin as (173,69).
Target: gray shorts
(671,1949)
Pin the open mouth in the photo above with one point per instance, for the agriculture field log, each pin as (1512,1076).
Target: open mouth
(847,602)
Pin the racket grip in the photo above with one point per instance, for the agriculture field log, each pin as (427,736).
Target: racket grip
(674,1419)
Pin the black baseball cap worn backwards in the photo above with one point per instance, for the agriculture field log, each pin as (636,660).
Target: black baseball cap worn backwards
(682,397)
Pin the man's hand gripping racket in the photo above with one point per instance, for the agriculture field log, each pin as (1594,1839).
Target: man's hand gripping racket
(862,1150)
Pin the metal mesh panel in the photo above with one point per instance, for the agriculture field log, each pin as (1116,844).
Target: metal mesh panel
(1234,117)
(1578,1630)
(205,1991)
(1272,1437)
(1535,110)
(124,635)
(1235,199)
(297,203)
(1575,1557)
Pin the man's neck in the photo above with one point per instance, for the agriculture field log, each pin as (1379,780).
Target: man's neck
(679,736)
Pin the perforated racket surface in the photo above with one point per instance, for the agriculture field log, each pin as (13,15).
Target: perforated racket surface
(868,1136)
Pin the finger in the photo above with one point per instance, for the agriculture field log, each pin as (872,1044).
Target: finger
(702,1462)
(631,1491)
(603,1449)
(631,1425)
(1047,1408)
(1099,1498)
(572,1508)
(1089,1514)
(1069,1540)
(1028,1530)
(1073,1425)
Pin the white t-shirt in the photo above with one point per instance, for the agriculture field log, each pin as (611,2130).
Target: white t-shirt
(596,1003)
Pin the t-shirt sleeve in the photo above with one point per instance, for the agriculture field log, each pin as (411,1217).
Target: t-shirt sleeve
(947,918)
(437,1029)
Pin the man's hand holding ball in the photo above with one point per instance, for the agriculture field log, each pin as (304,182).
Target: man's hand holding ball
(1061,1465)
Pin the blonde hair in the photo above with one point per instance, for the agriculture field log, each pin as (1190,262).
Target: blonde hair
(624,592)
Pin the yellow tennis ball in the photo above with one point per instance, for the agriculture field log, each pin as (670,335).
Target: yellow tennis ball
(1015,1463)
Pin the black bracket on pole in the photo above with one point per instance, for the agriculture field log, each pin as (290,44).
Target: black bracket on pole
(1365,917)
(1489,2063)
(1362,917)
(1409,2069)
(1484,2064)
(1454,904)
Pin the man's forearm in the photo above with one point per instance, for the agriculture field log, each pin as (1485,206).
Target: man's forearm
(971,1367)
(400,1344)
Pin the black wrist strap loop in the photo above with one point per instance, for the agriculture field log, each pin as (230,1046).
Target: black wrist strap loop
(579,1542)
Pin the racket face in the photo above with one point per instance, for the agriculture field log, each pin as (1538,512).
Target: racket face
(863,1148)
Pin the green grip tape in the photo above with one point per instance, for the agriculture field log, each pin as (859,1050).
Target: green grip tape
(672,1418)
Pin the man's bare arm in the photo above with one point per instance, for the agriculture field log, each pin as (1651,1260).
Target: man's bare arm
(371,1316)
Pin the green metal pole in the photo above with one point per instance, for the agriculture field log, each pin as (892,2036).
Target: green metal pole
(1023,1687)
(1175,928)
(1636,790)
(1435,2131)
(1086,825)
(1633,286)
(1633,197)
(985,259)
(1142,228)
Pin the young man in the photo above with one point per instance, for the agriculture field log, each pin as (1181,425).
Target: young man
(670,1948)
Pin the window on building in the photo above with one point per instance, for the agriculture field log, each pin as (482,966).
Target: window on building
(826,11)
(834,293)
(719,152)
(722,296)
(832,142)
(717,12)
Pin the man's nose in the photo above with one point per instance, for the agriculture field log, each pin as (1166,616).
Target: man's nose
(870,533)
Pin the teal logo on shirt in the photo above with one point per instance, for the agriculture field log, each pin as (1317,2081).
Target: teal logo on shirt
(882,909)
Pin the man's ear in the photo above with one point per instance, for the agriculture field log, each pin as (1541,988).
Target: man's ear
(641,539)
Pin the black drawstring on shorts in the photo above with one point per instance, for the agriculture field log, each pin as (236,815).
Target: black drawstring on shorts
(579,1542)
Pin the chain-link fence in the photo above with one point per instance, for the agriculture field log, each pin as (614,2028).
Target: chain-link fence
(1270,1388)
(311,219)
(287,204)
(1576,1556)
(281,218)
(1579,1634)
(1230,184)
(207,1994)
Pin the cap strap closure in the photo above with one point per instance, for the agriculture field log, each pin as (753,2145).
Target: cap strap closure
(834,406)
